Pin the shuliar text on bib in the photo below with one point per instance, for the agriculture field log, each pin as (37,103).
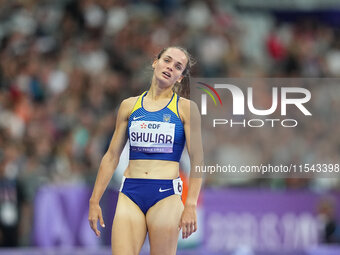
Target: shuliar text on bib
(152,136)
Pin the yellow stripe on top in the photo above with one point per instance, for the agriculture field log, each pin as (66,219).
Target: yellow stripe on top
(173,105)
(138,104)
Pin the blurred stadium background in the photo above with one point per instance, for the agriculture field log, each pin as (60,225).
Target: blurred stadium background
(66,65)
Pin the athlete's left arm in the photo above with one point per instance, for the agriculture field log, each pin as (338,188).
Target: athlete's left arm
(192,127)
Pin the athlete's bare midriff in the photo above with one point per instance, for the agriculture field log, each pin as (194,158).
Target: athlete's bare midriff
(152,169)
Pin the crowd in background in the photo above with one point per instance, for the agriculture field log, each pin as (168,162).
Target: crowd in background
(66,65)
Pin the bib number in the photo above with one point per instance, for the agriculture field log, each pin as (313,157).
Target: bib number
(152,136)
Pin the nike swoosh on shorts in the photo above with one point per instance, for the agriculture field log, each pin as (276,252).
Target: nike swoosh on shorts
(163,190)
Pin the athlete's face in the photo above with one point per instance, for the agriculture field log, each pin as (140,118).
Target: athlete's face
(170,66)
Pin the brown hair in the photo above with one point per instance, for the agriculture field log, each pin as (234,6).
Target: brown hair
(182,88)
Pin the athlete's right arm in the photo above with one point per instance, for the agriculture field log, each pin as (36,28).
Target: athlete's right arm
(109,163)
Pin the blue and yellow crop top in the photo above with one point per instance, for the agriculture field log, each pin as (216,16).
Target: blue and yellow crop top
(156,135)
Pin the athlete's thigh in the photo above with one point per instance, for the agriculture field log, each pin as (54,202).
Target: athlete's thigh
(128,228)
(162,221)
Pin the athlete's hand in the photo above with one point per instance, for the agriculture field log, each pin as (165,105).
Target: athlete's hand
(188,222)
(95,213)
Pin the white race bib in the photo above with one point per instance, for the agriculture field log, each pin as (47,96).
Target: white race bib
(152,136)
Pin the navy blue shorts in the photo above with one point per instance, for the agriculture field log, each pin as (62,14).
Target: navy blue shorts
(147,192)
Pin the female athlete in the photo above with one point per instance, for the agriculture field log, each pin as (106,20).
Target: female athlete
(157,124)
